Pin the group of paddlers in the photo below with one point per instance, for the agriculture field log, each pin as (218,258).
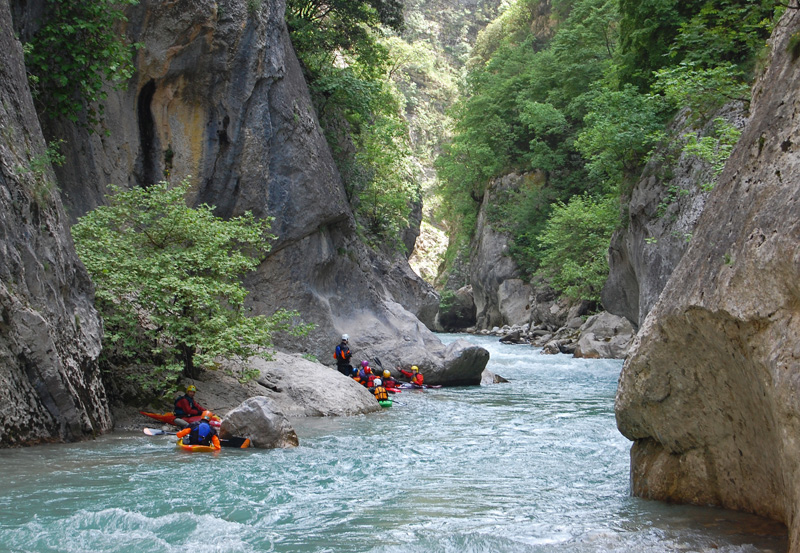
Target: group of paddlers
(379,384)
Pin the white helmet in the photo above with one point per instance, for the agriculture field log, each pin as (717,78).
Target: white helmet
(345,337)
(378,382)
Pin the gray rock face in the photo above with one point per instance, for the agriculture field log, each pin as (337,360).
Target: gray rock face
(460,313)
(50,387)
(302,388)
(258,419)
(663,211)
(220,97)
(491,267)
(605,336)
(709,393)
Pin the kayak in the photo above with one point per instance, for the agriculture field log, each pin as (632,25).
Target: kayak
(412,386)
(195,448)
(233,441)
(169,418)
(394,390)
(385,403)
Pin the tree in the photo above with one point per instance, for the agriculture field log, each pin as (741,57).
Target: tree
(168,280)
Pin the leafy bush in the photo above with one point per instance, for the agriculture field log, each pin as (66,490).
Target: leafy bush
(575,246)
(168,280)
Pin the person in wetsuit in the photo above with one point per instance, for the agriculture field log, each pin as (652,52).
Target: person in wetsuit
(186,406)
(200,432)
(342,355)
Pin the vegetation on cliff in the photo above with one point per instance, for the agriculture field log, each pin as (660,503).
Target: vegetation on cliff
(75,54)
(584,109)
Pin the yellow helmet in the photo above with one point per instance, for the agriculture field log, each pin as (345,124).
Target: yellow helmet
(414,369)
(191,388)
(386,373)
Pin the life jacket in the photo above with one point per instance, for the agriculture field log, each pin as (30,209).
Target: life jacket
(201,433)
(380,393)
(179,412)
(418,379)
(341,353)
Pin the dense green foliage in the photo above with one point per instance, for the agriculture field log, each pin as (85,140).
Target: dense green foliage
(168,281)
(347,64)
(75,54)
(574,245)
(580,104)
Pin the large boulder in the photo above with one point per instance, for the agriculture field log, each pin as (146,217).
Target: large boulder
(709,392)
(259,420)
(605,336)
(299,387)
(408,342)
(50,385)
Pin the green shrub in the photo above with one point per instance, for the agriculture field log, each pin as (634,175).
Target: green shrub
(168,280)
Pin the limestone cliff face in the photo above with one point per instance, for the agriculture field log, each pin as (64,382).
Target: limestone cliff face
(710,393)
(500,294)
(663,210)
(219,97)
(50,387)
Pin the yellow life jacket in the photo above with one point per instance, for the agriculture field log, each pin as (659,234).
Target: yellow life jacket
(380,393)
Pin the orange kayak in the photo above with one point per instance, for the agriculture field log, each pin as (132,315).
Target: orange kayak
(195,448)
(169,418)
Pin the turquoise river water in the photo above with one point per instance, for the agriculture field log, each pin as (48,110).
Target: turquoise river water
(536,465)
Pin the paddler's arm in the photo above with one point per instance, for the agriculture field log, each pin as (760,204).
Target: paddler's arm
(215,441)
(183,432)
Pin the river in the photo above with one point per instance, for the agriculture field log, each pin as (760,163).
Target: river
(535,465)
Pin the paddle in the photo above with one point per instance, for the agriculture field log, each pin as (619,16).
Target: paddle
(230,442)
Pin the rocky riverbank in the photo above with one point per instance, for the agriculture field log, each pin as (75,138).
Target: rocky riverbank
(601,336)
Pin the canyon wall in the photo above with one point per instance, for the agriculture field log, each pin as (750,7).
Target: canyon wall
(50,386)
(710,393)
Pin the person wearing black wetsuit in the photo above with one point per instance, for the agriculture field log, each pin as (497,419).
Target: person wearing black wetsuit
(342,355)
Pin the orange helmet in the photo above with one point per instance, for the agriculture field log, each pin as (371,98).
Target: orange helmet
(206,416)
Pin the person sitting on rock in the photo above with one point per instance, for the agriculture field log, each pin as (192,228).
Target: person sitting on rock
(342,355)
(380,392)
(186,406)
(201,432)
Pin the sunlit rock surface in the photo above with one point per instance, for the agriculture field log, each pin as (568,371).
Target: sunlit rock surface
(710,393)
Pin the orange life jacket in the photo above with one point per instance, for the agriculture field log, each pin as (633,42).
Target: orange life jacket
(380,393)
